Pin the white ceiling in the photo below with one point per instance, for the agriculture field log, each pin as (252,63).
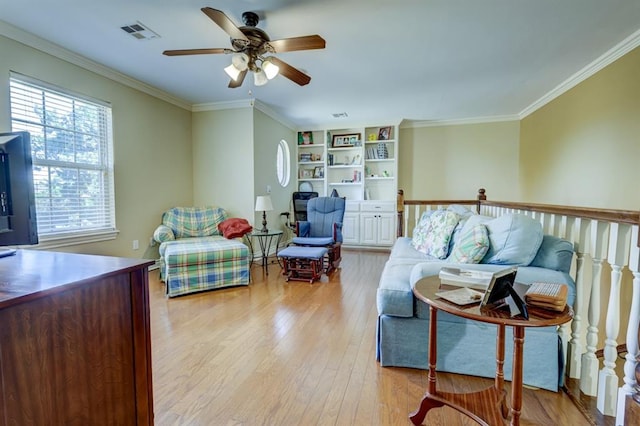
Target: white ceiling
(427,60)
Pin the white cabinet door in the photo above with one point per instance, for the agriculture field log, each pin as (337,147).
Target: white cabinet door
(351,228)
(368,228)
(377,229)
(386,229)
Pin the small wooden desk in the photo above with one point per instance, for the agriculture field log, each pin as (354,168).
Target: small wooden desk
(487,407)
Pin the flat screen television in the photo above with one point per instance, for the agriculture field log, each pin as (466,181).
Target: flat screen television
(18,224)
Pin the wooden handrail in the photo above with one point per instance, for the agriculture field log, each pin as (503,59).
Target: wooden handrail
(630,217)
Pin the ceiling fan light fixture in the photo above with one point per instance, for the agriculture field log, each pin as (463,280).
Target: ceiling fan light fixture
(271,70)
(232,72)
(240,61)
(259,77)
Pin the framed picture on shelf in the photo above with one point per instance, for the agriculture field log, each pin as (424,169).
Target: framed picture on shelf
(345,141)
(384,133)
(306,173)
(305,138)
(318,172)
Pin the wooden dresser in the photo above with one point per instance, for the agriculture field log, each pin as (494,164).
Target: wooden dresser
(75,347)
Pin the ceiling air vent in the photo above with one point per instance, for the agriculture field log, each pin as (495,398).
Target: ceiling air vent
(139,31)
(339,115)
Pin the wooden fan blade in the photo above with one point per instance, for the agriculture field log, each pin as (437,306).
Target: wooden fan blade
(298,43)
(237,83)
(225,23)
(193,52)
(290,72)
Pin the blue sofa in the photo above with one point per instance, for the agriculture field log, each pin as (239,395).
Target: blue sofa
(465,346)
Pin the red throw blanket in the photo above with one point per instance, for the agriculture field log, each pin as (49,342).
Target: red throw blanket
(234,227)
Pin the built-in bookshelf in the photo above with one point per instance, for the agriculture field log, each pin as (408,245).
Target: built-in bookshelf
(360,163)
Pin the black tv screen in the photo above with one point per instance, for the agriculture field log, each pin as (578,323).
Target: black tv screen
(17,200)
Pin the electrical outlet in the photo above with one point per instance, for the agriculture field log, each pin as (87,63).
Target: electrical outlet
(136,244)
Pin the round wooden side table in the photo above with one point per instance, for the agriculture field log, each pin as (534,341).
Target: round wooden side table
(489,406)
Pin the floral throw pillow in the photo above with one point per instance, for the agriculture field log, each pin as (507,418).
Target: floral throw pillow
(433,237)
(421,229)
(472,246)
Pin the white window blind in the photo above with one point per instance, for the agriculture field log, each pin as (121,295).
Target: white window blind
(71,146)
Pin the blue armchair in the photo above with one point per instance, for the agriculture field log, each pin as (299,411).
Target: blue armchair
(323,227)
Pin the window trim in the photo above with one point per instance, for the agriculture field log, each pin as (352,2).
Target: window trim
(283,147)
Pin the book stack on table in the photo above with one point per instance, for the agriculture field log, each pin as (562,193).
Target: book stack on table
(550,296)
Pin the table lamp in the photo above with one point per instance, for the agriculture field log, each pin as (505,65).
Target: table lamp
(263,204)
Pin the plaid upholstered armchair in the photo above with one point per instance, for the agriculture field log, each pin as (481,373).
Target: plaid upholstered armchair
(195,256)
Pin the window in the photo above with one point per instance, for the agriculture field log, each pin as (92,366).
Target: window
(71,146)
(283,163)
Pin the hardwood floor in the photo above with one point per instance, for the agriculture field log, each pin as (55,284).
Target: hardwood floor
(278,353)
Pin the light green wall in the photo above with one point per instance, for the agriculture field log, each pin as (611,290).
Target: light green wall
(152,145)
(234,159)
(453,162)
(223,160)
(583,148)
(268,133)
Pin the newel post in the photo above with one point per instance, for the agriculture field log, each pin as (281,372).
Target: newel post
(481,197)
(400,209)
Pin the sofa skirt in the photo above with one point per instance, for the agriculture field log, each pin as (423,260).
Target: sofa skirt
(403,342)
(204,264)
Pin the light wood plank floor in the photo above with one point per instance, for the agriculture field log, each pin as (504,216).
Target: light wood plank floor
(278,353)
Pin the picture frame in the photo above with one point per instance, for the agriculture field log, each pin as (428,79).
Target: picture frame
(306,173)
(305,138)
(348,140)
(318,172)
(384,134)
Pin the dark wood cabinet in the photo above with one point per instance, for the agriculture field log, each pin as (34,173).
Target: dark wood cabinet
(75,346)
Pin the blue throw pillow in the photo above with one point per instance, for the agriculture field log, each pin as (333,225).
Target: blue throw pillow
(515,240)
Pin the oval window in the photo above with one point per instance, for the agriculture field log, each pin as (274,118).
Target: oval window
(283,163)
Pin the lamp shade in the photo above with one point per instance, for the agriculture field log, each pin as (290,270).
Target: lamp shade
(270,69)
(232,72)
(259,77)
(263,203)
(240,61)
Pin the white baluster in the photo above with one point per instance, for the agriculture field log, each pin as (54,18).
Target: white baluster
(619,242)
(633,350)
(589,373)
(556,223)
(580,238)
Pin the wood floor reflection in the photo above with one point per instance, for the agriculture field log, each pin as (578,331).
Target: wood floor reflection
(278,353)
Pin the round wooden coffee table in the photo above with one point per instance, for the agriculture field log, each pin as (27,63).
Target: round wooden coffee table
(489,406)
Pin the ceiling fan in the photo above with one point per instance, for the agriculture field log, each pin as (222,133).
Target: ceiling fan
(250,46)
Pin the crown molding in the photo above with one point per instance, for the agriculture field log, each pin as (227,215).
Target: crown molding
(35,42)
(613,54)
(408,124)
(273,114)
(216,106)
(244,103)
